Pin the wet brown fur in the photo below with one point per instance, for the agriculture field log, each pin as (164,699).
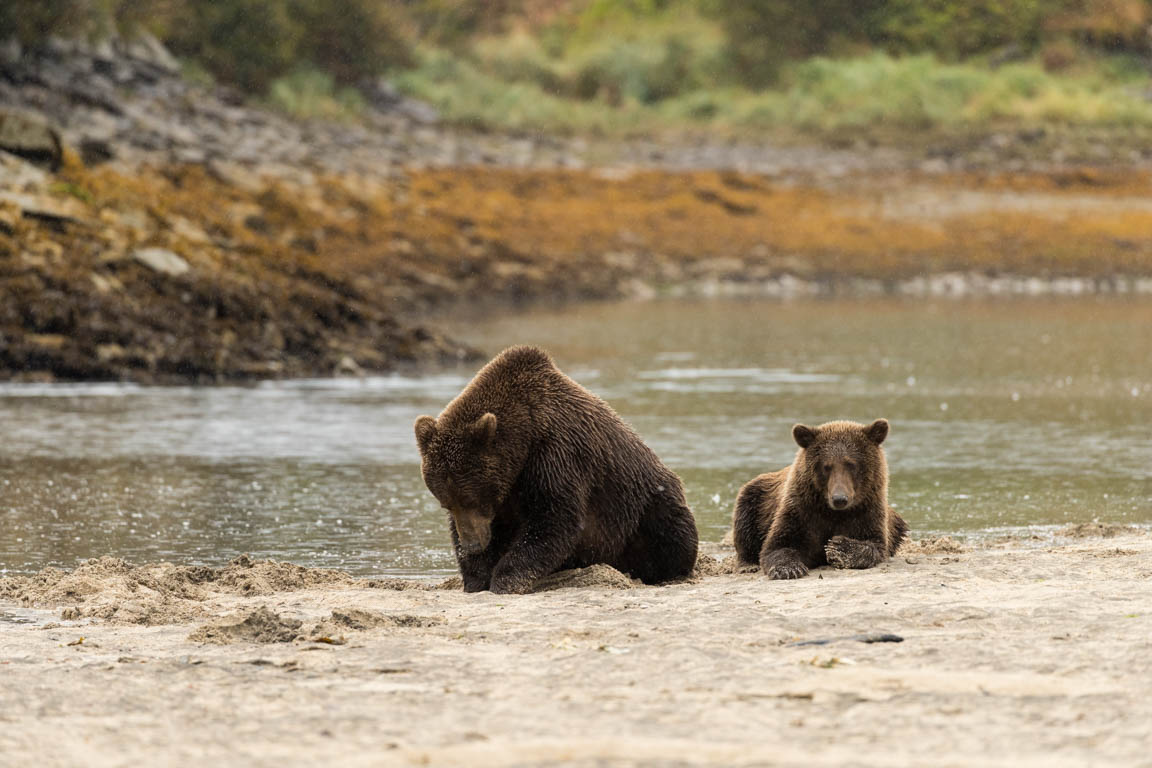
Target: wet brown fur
(539,475)
(785,520)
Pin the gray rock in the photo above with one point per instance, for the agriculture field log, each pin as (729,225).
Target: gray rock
(161,260)
(146,49)
(54,211)
(20,175)
(96,151)
(384,97)
(348,367)
(29,135)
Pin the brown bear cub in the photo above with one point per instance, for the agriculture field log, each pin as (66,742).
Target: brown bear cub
(540,475)
(829,507)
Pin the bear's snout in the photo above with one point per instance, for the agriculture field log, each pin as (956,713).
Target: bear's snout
(473,532)
(841,491)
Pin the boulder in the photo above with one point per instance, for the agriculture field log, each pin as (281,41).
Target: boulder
(145,49)
(28,135)
(385,97)
(161,260)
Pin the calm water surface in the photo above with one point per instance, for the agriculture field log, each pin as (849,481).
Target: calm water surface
(1004,415)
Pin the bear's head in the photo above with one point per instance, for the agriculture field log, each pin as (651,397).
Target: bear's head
(843,461)
(468,470)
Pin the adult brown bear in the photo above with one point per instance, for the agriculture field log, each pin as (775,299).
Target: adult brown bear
(540,475)
(829,507)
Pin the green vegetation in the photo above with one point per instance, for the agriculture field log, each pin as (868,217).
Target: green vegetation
(875,94)
(643,66)
(311,93)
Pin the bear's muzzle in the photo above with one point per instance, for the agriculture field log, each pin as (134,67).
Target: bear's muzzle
(473,532)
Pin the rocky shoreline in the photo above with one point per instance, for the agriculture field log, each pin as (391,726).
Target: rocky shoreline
(156,231)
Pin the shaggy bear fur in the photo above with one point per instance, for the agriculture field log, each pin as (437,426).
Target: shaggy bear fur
(540,475)
(829,507)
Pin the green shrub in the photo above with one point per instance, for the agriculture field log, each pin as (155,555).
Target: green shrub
(765,34)
(31,21)
(310,93)
(1116,25)
(351,39)
(874,91)
(468,96)
(618,61)
(248,43)
(454,23)
(954,30)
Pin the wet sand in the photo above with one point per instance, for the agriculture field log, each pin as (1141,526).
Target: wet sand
(1014,653)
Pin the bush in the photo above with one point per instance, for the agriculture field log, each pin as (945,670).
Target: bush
(32,21)
(1110,24)
(351,39)
(453,23)
(610,57)
(310,93)
(874,91)
(468,96)
(248,43)
(954,30)
(764,34)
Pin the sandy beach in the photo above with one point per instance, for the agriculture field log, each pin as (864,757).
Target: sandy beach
(1015,652)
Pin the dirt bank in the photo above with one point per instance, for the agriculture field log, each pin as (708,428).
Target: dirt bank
(1023,653)
(184,274)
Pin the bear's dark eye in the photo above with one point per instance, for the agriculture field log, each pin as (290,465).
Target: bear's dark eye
(850,465)
(825,468)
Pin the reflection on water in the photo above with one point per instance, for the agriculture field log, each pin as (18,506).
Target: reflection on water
(1004,414)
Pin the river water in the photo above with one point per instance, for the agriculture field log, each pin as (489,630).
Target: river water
(1005,415)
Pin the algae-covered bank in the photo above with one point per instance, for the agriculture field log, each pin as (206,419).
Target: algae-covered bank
(1020,652)
(172,236)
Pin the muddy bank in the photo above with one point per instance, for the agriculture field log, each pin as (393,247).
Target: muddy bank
(181,274)
(1020,653)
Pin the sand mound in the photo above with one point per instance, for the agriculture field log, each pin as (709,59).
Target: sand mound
(245,576)
(260,626)
(1096,530)
(398,585)
(265,626)
(599,576)
(707,565)
(932,545)
(160,593)
(451,583)
(332,629)
(359,620)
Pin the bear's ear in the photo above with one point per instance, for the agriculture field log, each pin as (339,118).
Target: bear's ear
(483,430)
(425,428)
(804,436)
(877,431)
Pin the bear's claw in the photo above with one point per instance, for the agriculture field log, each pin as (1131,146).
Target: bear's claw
(789,571)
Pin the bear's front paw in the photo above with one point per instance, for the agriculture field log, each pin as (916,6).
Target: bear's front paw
(843,552)
(511,585)
(475,585)
(786,571)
